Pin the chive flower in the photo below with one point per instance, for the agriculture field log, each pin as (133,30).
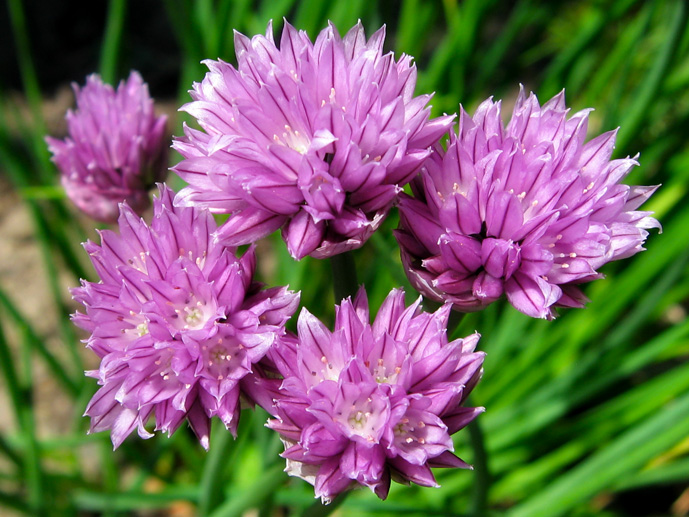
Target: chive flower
(529,211)
(177,321)
(314,138)
(116,149)
(369,403)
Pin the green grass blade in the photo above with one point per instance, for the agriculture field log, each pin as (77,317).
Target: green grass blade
(346,14)
(415,20)
(37,343)
(30,81)
(309,16)
(585,36)
(20,391)
(668,473)
(264,486)
(524,15)
(9,451)
(128,501)
(648,90)
(627,453)
(14,502)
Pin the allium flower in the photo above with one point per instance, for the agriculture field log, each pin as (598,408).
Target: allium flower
(116,149)
(528,210)
(177,321)
(367,403)
(314,138)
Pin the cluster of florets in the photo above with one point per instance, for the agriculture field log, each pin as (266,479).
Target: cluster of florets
(116,149)
(315,138)
(529,211)
(318,140)
(177,321)
(370,402)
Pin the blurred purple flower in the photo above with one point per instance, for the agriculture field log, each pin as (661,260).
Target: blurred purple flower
(528,211)
(369,403)
(177,321)
(314,138)
(116,149)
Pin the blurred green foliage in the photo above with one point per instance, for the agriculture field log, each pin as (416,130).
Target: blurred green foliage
(585,415)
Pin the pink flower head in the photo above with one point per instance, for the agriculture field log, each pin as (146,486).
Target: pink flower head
(314,138)
(528,210)
(177,322)
(116,149)
(368,403)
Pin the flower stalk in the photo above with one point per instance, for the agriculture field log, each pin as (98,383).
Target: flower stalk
(345,282)
(482,477)
(212,479)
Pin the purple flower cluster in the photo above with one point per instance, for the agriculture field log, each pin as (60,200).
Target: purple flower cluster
(528,210)
(116,149)
(368,403)
(314,138)
(177,321)
(317,139)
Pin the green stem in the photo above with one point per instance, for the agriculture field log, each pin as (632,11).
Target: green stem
(110,474)
(212,479)
(32,90)
(111,41)
(479,502)
(344,276)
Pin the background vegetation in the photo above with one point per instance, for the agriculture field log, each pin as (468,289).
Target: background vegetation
(586,415)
